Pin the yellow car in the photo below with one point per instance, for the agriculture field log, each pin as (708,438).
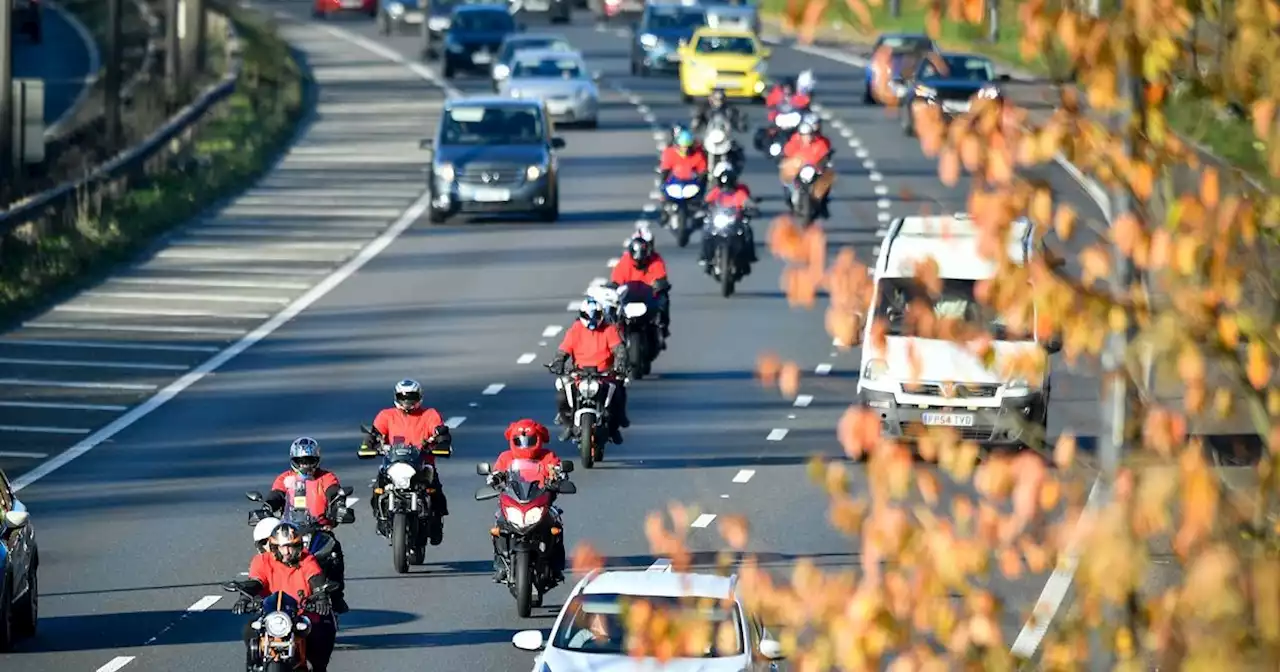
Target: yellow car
(728,58)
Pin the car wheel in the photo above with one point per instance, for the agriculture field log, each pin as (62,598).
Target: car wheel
(551,212)
(591,124)
(436,216)
(448,69)
(26,613)
(6,618)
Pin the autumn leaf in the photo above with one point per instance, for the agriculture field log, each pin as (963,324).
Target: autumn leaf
(949,168)
(735,531)
(768,366)
(789,380)
(1209,188)
(1259,366)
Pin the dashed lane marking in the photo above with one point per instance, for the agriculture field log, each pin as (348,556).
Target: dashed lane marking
(73,384)
(803,400)
(776,434)
(157,312)
(455,421)
(744,475)
(110,346)
(493,389)
(188,296)
(140,328)
(63,407)
(822,369)
(23,455)
(24,429)
(213,282)
(116,664)
(526,358)
(703,520)
(612,262)
(552,330)
(204,603)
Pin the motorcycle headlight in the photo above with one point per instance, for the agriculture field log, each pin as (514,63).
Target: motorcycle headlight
(674,191)
(501,71)
(875,369)
(807,173)
(532,516)
(532,173)
(514,516)
(588,388)
(721,220)
(278,624)
(715,136)
(788,120)
(690,190)
(649,40)
(445,171)
(395,9)
(400,474)
(634,310)
(438,23)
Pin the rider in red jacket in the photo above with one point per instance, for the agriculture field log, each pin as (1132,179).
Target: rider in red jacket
(592,342)
(527,440)
(811,148)
(683,159)
(729,193)
(642,263)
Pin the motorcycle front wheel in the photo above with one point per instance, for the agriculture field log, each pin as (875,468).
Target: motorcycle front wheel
(682,229)
(523,570)
(727,278)
(400,542)
(636,353)
(279,667)
(586,442)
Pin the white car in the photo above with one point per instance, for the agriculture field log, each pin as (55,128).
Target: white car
(558,78)
(589,634)
(915,382)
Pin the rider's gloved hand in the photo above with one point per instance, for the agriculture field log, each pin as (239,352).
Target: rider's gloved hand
(242,606)
(321,604)
(493,479)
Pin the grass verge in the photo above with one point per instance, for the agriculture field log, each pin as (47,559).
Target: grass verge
(237,142)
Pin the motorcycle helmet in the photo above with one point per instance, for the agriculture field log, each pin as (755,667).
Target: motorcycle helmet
(286,544)
(304,455)
(640,251)
(262,532)
(716,99)
(810,125)
(684,140)
(805,82)
(526,436)
(591,314)
(408,395)
(726,176)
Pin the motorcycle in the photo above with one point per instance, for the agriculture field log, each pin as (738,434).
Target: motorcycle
(681,205)
(280,642)
(589,393)
(402,503)
(728,261)
(636,320)
(296,513)
(721,149)
(527,522)
(804,204)
(773,138)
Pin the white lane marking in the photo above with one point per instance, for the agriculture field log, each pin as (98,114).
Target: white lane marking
(844,132)
(724,496)
(880,233)
(36,429)
(158,312)
(526,358)
(776,434)
(855,142)
(703,520)
(72,384)
(883,203)
(803,400)
(332,280)
(869,164)
(204,603)
(659,136)
(649,118)
(612,262)
(1055,589)
(455,421)
(744,475)
(875,251)
(62,407)
(574,305)
(141,328)
(860,153)
(822,369)
(642,109)
(883,216)
(650,207)
(23,455)
(596,282)
(109,346)
(653,195)
(542,344)
(493,389)
(552,330)
(660,565)
(875,177)
(116,664)
(173,296)
(104,365)
(212,282)
(881,190)
(825,115)
(352,500)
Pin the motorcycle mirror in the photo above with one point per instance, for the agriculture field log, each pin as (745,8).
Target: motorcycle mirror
(231,587)
(567,488)
(347,490)
(346,516)
(567,466)
(254,496)
(483,469)
(485,493)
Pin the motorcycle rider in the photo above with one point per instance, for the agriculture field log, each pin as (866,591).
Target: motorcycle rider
(322,486)
(781,91)
(408,422)
(592,342)
(716,103)
(685,159)
(290,569)
(730,193)
(805,83)
(641,263)
(528,440)
(808,147)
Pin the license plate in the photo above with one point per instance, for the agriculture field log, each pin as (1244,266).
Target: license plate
(537,6)
(481,57)
(353,4)
(491,195)
(555,107)
(413,18)
(729,83)
(300,503)
(947,419)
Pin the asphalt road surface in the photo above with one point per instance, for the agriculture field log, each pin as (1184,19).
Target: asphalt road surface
(65,59)
(136,532)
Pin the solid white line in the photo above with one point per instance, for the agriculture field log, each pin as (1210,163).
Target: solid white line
(62,407)
(552,330)
(104,365)
(744,475)
(822,369)
(74,384)
(803,400)
(42,430)
(87,326)
(455,421)
(204,603)
(526,358)
(161,312)
(776,434)
(23,455)
(202,282)
(116,663)
(493,389)
(176,296)
(703,520)
(110,346)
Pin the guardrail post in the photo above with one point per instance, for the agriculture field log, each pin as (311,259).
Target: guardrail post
(190,39)
(172,53)
(114,75)
(6,92)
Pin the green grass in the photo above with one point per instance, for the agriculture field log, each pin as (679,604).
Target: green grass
(239,140)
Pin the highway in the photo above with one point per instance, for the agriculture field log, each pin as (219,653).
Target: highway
(146,514)
(65,59)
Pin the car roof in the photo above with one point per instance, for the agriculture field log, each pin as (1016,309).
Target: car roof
(485,7)
(657,583)
(691,8)
(708,31)
(489,100)
(951,240)
(533,37)
(884,36)
(551,53)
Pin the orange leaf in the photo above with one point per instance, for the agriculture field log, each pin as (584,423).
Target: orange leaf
(1126,231)
(735,531)
(586,559)
(767,367)
(1095,263)
(1210,191)
(1010,563)
(973,10)
(1064,222)
(789,380)
(1228,330)
(927,482)
(949,168)
(1041,210)
(858,431)
(1263,114)
(1258,369)
(1064,451)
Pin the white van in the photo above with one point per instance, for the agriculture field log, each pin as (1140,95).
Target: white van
(949,387)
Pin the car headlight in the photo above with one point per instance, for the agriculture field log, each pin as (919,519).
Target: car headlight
(690,190)
(588,388)
(874,369)
(445,172)
(400,474)
(395,9)
(649,40)
(721,220)
(674,191)
(709,71)
(532,173)
(277,624)
(501,71)
(514,516)
(454,47)
(926,91)
(438,23)
(514,93)
(807,173)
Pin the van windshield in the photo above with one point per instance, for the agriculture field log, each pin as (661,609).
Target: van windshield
(900,298)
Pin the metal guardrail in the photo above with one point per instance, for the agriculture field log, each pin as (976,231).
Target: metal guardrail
(59,208)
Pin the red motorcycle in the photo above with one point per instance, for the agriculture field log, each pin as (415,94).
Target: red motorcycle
(528,528)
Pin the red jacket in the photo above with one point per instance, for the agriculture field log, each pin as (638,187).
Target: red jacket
(413,427)
(810,153)
(684,166)
(627,271)
(738,198)
(591,348)
(322,485)
(277,577)
(545,458)
(799,101)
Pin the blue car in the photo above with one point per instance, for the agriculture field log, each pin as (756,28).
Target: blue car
(661,29)
(905,50)
(19,592)
(950,82)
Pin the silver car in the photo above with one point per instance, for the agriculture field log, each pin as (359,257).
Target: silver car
(727,14)
(558,78)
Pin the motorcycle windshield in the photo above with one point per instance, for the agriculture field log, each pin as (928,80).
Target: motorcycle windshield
(295,505)
(635,292)
(279,602)
(526,480)
(405,453)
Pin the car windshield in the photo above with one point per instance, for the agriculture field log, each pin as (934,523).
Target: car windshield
(483,21)
(553,43)
(904,43)
(566,68)
(958,67)
(720,44)
(596,624)
(508,125)
(676,19)
(900,298)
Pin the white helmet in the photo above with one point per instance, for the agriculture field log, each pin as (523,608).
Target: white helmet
(805,82)
(263,529)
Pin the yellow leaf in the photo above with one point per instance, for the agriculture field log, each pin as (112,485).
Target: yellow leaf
(1263,115)
(1258,368)
(1064,221)
(1209,188)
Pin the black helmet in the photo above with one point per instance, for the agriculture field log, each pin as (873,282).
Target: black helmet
(641,250)
(726,176)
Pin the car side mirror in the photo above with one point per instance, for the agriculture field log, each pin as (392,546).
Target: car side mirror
(771,649)
(483,469)
(527,640)
(16,520)
(254,496)
(346,516)
(1005,78)
(557,143)
(567,466)
(426,143)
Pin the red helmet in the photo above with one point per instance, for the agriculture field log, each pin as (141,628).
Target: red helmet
(526,436)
